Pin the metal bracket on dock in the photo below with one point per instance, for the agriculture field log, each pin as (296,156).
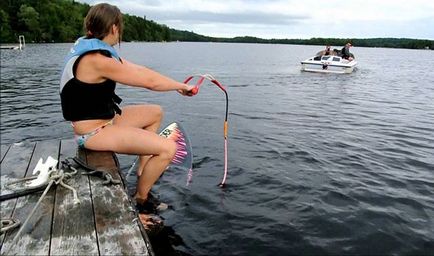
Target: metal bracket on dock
(108,178)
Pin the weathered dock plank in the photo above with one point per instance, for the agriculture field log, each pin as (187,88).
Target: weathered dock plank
(116,224)
(14,165)
(6,210)
(73,224)
(102,224)
(35,237)
(3,150)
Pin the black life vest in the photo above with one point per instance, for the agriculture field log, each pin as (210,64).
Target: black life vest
(86,101)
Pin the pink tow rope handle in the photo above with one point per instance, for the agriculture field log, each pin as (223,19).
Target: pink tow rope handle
(195,91)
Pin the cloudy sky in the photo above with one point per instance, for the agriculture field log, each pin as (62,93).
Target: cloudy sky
(290,18)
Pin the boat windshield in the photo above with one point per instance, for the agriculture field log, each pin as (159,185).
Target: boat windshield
(331,58)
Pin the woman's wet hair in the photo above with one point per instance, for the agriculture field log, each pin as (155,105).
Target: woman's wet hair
(100,19)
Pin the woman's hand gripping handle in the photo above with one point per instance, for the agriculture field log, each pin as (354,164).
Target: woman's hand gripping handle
(193,90)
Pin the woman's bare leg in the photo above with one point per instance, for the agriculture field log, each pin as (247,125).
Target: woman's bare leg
(147,117)
(130,140)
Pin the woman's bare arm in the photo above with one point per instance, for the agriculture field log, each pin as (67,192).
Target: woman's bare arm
(132,74)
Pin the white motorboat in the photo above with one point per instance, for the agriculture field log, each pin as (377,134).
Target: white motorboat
(328,64)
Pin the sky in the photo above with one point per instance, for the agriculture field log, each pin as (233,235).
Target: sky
(289,19)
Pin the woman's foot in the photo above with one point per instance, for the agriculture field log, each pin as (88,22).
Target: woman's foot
(145,204)
(152,223)
(150,204)
(147,209)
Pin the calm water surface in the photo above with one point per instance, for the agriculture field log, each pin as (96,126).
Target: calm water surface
(318,163)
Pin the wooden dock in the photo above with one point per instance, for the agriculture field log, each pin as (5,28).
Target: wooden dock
(20,46)
(10,47)
(102,224)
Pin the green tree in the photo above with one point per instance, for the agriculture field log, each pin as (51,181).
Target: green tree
(30,18)
(6,34)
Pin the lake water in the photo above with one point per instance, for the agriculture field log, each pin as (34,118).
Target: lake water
(318,163)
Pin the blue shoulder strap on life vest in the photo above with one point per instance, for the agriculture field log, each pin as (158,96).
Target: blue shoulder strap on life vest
(82,46)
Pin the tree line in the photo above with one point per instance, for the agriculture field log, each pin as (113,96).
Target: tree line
(62,21)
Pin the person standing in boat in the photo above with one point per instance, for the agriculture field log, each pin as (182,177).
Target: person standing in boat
(345,52)
(88,99)
(327,50)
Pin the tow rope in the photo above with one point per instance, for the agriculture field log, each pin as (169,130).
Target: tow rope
(194,91)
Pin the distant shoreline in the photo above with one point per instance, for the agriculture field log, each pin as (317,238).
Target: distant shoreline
(406,43)
(235,42)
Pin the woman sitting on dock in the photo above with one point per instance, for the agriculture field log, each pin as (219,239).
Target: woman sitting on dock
(88,98)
